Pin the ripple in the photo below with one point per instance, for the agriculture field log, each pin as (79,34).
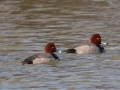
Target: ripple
(26,27)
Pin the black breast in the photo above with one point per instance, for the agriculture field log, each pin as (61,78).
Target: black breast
(56,57)
(102,50)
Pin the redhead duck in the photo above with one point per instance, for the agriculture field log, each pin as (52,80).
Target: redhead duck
(47,56)
(92,46)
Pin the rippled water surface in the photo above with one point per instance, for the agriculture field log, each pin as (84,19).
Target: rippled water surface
(27,25)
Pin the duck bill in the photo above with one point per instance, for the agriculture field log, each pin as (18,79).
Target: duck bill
(58,51)
(104,43)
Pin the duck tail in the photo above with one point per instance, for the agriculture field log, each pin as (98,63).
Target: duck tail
(70,51)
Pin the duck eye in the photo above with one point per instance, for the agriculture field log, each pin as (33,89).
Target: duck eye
(53,47)
(97,38)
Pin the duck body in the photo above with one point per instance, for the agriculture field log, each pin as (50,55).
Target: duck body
(89,48)
(47,56)
(40,58)
(92,46)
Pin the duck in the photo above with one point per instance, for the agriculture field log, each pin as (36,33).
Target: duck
(92,46)
(39,58)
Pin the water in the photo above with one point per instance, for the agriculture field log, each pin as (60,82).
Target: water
(27,25)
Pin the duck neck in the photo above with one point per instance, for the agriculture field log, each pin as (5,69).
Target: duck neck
(101,48)
(56,57)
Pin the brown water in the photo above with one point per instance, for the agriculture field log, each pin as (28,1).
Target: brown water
(27,25)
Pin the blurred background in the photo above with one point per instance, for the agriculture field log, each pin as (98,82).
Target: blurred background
(27,25)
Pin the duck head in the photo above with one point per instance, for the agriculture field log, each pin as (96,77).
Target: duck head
(50,48)
(95,39)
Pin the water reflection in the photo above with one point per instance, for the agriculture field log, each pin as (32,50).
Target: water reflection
(27,25)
